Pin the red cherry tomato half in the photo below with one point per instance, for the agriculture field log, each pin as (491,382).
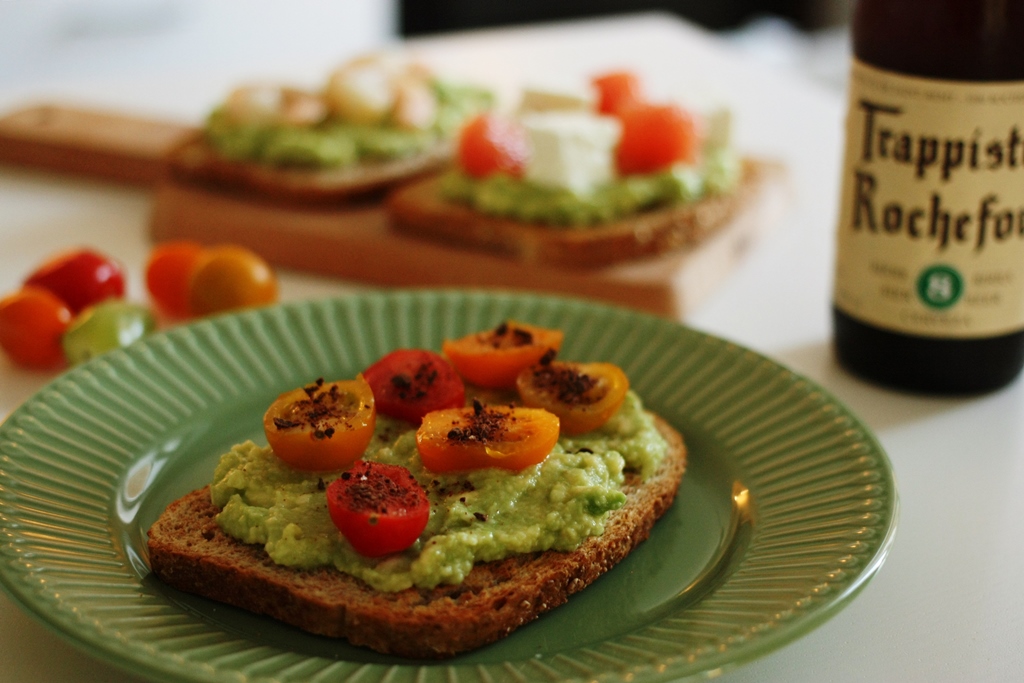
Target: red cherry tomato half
(380,509)
(509,437)
(32,322)
(491,144)
(168,272)
(409,383)
(229,277)
(80,278)
(583,395)
(323,426)
(494,358)
(654,137)
(617,91)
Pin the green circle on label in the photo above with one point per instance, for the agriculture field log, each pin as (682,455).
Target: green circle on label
(940,286)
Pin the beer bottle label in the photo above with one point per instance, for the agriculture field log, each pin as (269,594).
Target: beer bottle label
(930,234)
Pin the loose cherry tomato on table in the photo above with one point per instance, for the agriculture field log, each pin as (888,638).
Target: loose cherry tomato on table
(32,322)
(654,137)
(323,426)
(494,359)
(508,437)
(583,395)
(491,144)
(380,509)
(228,277)
(409,383)
(168,272)
(104,327)
(617,91)
(80,278)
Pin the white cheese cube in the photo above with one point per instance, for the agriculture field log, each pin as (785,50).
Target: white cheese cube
(571,150)
(537,99)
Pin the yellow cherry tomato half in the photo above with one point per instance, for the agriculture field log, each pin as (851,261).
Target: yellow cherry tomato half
(323,426)
(229,277)
(494,359)
(583,395)
(478,436)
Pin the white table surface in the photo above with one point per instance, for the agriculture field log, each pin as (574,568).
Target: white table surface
(948,603)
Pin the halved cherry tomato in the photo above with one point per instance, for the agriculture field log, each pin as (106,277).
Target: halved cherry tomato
(32,322)
(80,278)
(494,358)
(509,437)
(380,509)
(228,277)
(409,383)
(617,91)
(492,144)
(168,272)
(583,395)
(654,137)
(323,426)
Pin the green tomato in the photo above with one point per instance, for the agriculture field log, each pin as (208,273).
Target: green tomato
(106,326)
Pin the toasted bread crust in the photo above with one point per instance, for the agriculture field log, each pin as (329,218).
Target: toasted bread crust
(188,551)
(418,209)
(197,161)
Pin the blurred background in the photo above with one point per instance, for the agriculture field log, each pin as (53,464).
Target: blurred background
(50,41)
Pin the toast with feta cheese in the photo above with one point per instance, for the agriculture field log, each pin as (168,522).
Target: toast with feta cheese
(420,209)
(189,551)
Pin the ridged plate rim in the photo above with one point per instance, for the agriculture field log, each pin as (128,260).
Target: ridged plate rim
(822,488)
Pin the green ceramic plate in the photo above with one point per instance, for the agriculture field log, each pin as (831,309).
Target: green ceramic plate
(787,509)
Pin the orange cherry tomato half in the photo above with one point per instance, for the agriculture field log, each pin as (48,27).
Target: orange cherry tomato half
(323,426)
(494,359)
(617,91)
(492,144)
(229,277)
(509,437)
(168,272)
(654,137)
(380,509)
(583,395)
(32,322)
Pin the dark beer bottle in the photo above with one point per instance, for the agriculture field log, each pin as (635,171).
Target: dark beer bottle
(929,290)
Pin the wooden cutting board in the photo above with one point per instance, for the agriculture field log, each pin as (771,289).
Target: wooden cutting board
(354,241)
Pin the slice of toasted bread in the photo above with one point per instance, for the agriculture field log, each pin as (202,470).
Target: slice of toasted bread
(196,160)
(188,551)
(419,209)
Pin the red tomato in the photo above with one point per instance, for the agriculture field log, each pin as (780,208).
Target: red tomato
(494,358)
(228,277)
(491,144)
(617,91)
(583,395)
(80,278)
(409,383)
(654,137)
(323,426)
(509,437)
(168,272)
(380,509)
(32,322)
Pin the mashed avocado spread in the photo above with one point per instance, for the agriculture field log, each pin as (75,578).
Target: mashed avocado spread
(475,516)
(507,197)
(335,143)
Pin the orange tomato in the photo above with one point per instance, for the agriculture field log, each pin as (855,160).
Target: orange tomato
(654,137)
(492,144)
(32,322)
(323,426)
(494,358)
(617,91)
(583,395)
(168,272)
(228,277)
(509,437)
